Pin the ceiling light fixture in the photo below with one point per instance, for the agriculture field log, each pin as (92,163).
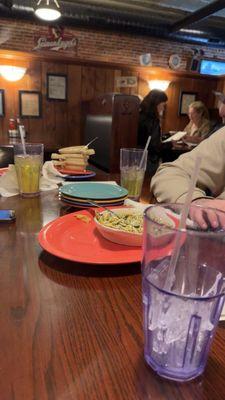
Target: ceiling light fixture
(49,10)
(157,84)
(12,73)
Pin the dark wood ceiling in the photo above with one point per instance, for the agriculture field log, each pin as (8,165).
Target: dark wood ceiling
(191,21)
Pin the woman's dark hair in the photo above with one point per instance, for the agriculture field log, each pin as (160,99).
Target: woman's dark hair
(151,101)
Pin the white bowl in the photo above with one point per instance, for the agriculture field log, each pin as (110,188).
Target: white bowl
(119,236)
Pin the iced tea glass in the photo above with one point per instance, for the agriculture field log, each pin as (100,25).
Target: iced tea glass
(28,168)
(132,170)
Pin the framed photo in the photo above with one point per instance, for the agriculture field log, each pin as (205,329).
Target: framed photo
(126,81)
(30,104)
(56,87)
(186,98)
(2,103)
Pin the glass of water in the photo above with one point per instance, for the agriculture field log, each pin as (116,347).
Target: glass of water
(132,170)
(183,296)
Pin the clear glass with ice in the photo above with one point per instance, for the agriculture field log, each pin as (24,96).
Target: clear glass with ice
(28,168)
(132,170)
(182,304)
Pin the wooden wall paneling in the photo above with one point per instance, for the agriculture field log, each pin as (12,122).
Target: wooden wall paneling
(125,73)
(125,90)
(184,84)
(143,88)
(48,135)
(34,126)
(62,122)
(11,104)
(73,133)
(110,80)
(206,90)
(124,127)
(173,121)
(100,81)
(4,121)
(133,90)
(117,74)
(22,84)
(171,111)
(88,83)
(220,87)
(61,110)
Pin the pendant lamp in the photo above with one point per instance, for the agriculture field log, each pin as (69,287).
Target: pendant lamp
(48,10)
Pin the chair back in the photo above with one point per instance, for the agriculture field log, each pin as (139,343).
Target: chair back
(6,156)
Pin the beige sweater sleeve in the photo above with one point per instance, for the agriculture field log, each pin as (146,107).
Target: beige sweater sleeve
(170,183)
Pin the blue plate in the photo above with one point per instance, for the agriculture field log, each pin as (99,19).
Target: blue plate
(88,205)
(79,177)
(94,191)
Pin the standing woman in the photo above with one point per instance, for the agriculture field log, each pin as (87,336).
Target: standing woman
(151,109)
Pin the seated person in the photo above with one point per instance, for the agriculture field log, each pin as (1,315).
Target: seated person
(199,125)
(171,181)
(221,108)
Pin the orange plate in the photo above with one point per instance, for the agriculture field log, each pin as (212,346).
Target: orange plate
(75,240)
(73,172)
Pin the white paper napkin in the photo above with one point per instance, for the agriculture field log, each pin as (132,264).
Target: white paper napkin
(136,204)
(50,179)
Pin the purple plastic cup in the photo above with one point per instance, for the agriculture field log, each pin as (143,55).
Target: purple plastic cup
(182,304)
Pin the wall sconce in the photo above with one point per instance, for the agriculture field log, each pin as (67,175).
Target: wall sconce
(12,73)
(158,84)
(47,11)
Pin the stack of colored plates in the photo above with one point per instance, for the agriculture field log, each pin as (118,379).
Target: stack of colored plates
(78,194)
(77,175)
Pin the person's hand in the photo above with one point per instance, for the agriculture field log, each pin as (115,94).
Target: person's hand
(205,218)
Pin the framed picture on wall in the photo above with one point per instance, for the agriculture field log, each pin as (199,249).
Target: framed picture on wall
(56,87)
(30,103)
(186,98)
(2,103)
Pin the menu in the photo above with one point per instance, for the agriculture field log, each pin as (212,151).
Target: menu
(177,136)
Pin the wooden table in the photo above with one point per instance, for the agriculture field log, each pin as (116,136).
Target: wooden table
(72,331)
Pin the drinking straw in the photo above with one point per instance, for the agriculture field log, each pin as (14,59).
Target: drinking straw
(22,140)
(144,152)
(93,140)
(182,224)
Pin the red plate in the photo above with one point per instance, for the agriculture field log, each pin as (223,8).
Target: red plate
(75,240)
(3,170)
(73,172)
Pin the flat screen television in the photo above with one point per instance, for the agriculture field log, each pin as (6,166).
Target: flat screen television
(212,67)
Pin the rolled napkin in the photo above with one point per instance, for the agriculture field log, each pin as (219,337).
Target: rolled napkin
(74,158)
(50,179)
(160,213)
(136,204)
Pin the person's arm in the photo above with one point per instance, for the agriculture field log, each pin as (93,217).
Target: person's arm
(192,139)
(171,182)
